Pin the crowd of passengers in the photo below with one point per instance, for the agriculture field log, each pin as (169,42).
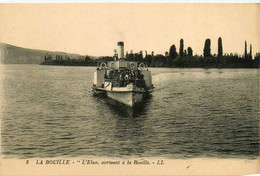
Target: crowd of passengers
(124,76)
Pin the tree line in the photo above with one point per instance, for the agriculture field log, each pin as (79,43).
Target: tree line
(69,61)
(183,58)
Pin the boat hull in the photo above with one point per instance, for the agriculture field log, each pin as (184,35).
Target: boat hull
(128,98)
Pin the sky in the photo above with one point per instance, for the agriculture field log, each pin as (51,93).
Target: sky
(95,28)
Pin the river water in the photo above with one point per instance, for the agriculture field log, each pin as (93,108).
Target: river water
(49,111)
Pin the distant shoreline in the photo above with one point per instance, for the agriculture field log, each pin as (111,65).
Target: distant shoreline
(159,67)
(16,55)
(160,61)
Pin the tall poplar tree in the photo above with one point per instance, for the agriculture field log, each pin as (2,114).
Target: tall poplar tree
(245,50)
(207,49)
(220,48)
(172,52)
(181,47)
(190,52)
(250,55)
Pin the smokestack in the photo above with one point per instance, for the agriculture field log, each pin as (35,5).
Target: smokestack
(120,50)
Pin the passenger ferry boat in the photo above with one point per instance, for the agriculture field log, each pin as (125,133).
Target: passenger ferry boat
(128,82)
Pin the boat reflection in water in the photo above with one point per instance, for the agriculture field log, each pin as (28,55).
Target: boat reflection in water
(124,125)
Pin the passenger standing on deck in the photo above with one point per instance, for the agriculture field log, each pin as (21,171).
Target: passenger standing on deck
(123,79)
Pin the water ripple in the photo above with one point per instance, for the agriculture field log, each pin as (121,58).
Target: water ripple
(191,113)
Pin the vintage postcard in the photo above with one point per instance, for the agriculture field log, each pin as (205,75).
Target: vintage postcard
(129,88)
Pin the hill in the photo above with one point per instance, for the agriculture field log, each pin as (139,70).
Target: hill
(10,54)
